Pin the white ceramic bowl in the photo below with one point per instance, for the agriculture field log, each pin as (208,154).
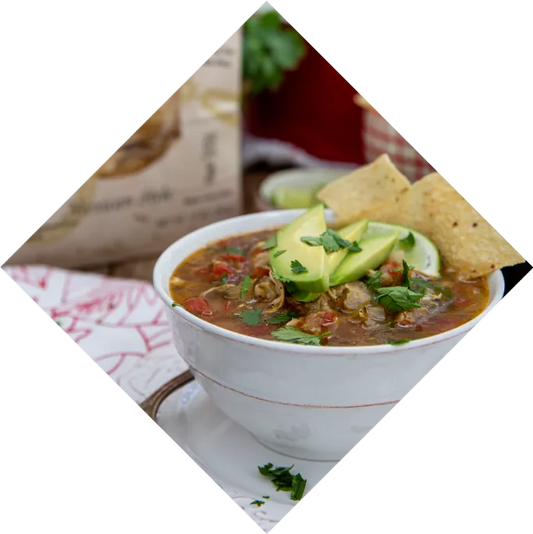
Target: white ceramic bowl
(308,402)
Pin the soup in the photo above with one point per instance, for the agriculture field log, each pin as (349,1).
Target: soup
(231,283)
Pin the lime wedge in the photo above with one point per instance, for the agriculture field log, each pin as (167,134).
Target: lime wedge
(294,198)
(423,255)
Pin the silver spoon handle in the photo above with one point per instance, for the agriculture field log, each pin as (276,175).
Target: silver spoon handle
(151,404)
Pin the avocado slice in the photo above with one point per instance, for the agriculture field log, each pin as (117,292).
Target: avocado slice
(354,266)
(316,279)
(305,296)
(352,232)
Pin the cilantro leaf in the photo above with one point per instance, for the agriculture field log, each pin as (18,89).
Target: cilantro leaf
(257,503)
(282,478)
(224,278)
(297,267)
(290,286)
(266,496)
(236,250)
(398,298)
(354,247)
(421,286)
(282,317)
(298,487)
(409,241)
(250,317)
(374,280)
(279,253)
(245,286)
(397,341)
(177,305)
(271,242)
(406,280)
(311,241)
(290,334)
(330,240)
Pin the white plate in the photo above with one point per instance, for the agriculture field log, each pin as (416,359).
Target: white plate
(230,455)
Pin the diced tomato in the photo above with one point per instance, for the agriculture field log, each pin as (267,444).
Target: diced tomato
(327,318)
(260,271)
(198,306)
(237,258)
(220,268)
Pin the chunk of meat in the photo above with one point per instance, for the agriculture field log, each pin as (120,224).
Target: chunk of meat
(314,323)
(410,317)
(265,289)
(356,294)
(270,289)
(261,259)
(303,308)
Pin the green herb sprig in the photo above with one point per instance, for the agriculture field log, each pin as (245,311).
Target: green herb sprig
(282,317)
(298,268)
(282,478)
(250,317)
(289,334)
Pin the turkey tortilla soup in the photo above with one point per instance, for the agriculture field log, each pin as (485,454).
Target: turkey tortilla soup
(232,283)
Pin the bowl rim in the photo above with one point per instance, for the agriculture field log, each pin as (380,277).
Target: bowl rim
(310,350)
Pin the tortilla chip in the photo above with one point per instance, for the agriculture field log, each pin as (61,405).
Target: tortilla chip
(376,191)
(467,242)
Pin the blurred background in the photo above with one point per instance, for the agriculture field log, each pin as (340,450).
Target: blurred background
(261,125)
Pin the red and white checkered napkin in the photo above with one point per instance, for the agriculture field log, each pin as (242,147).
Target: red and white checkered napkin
(379,137)
(121,324)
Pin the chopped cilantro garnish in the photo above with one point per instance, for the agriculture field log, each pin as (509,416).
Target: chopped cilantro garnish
(354,247)
(290,334)
(250,317)
(406,280)
(297,267)
(271,242)
(290,286)
(177,305)
(58,323)
(245,285)
(266,496)
(282,317)
(374,280)
(284,480)
(279,253)
(421,286)
(330,240)
(408,241)
(257,503)
(398,298)
(236,250)
(224,278)
(397,341)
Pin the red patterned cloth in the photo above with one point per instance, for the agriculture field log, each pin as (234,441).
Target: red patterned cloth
(121,324)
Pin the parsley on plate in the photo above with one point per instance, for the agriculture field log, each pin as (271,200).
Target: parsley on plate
(282,478)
